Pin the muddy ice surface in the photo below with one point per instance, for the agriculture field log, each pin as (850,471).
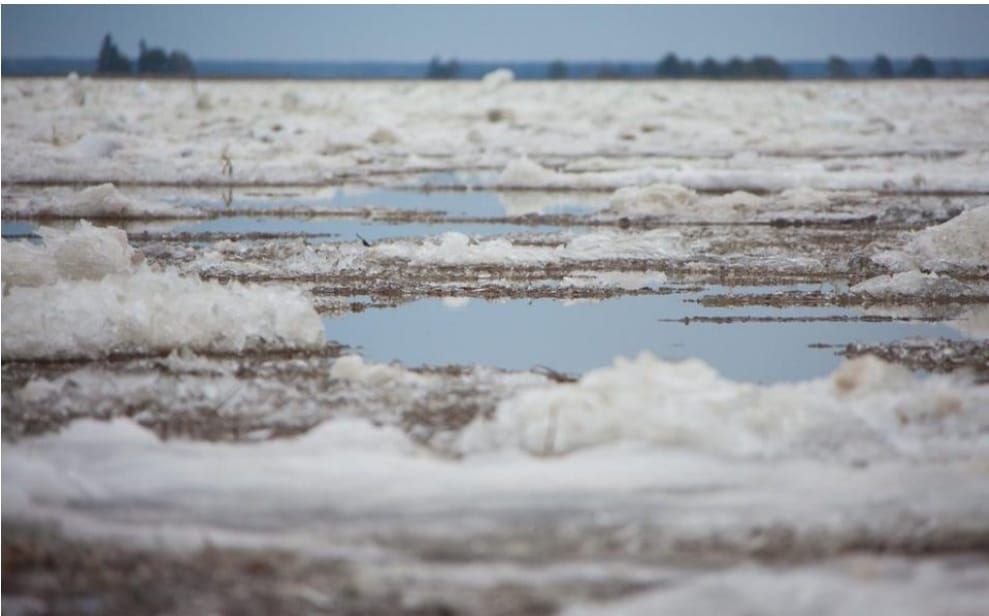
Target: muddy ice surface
(510,348)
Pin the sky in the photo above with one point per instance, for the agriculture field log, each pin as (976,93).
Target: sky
(416,33)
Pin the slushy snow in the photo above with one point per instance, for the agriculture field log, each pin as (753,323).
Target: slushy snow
(867,407)
(101,201)
(152,311)
(85,253)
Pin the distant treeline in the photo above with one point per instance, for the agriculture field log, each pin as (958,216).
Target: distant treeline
(835,67)
(758,67)
(150,61)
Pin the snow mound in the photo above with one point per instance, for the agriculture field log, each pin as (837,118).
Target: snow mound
(353,368)
(151,311)
(652,199)
(913,282)
(498,78)
(963,241)
(85,253)
(525,172)
(101,201)
(864,407)
(457,248)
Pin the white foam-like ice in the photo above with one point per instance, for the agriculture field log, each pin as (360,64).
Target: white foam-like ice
(498,78)
(865,406)
(152,311)
(101,201)
(912,282)
(963,241)
(855,585)
(84,253)
(876,136)
(455,247)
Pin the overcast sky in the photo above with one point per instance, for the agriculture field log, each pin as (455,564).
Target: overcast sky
(416,33)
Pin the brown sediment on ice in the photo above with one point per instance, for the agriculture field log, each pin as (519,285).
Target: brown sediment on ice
(786,299)
(46,572)
(249,397)
(938,355)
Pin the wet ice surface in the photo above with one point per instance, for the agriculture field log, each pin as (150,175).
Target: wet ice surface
(518,231)
(575,336)
(344,230)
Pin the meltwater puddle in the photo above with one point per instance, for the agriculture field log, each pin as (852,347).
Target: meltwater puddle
(455,203)
(574,337)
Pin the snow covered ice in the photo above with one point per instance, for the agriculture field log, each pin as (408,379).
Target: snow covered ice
(199,372)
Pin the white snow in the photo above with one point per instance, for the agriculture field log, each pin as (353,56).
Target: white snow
(354,368)
(866,405)
(498,78)
(85,253)
(652,199)
(854,585)
(912,282)
(152,311)
(454,247)
(963,242)
(523,172)
(101,201)
(878,136)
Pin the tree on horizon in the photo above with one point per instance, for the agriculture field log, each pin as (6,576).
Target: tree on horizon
(882,67)
(110,61)
(558,70)
(921,67)
(839,68)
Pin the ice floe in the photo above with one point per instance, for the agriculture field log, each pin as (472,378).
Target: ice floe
(84,253)
(867,406)
(960,243)
(101,201)
(912,282)
(153,311)
(455,247)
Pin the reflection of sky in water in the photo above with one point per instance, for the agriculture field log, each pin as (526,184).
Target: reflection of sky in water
(453,203)
(17,227)
(520,334)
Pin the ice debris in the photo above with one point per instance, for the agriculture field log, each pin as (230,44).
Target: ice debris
(498,78)
(866,407)
(101,201)
(523,172)
(960,243)
(913,282)
(457,248)
(85,253)
(152,311)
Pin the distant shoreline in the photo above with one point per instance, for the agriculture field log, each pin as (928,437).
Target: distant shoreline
(468,70)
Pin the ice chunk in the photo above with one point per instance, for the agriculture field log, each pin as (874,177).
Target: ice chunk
(151,311)
(498,78)
(652,199)
(523,172)
(913,282)
(866,406)
(353,368)
(454,247)
(28,265)
(85,253)
(963,241)
(101,201)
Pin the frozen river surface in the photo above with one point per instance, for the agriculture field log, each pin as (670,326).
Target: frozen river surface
(495,347)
